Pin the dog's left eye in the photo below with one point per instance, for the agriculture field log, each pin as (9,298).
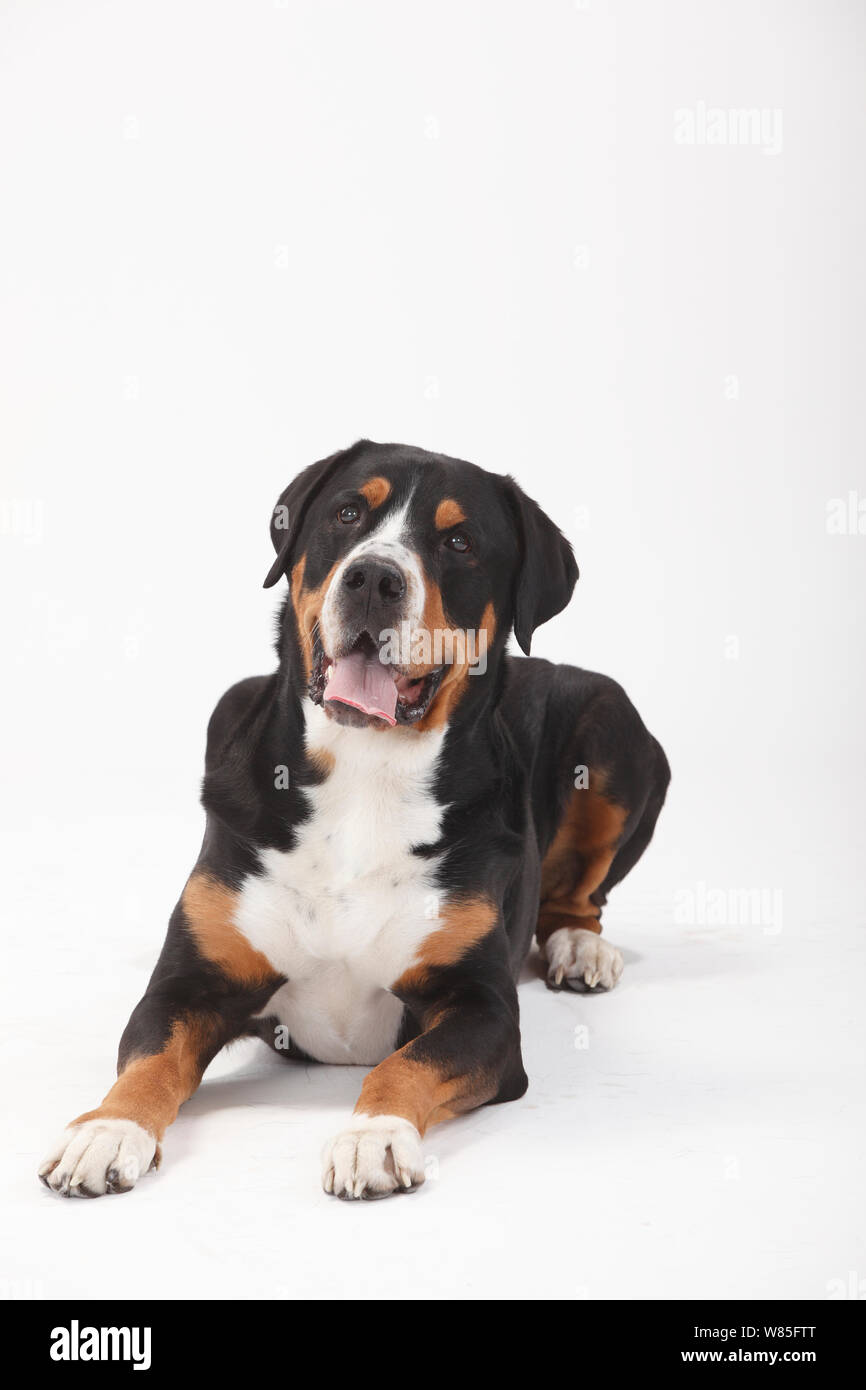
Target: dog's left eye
(349,514)
(458,540)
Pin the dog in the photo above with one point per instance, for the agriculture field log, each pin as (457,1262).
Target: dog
(391,817)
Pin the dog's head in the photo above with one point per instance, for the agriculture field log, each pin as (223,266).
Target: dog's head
(407,570)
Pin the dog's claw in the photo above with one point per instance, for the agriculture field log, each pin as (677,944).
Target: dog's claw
(373,1157)
(581,960)
(98,1156)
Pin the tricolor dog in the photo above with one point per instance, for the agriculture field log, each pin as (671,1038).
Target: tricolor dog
(392,816)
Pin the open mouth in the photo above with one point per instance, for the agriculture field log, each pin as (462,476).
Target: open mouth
(366,684)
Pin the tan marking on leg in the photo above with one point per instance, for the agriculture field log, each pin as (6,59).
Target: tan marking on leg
(416,1090)
(578,860)
(464,924)
(376,490)
(209,909)
(449,513)
(151,1090)
(419,1092)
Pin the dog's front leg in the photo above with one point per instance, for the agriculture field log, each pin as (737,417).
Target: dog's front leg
(467,1055)
(163,1054)
(205,988)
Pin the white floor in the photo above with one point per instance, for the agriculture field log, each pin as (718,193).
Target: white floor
(698,1132)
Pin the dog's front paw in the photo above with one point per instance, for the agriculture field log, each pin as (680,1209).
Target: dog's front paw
(98,1156)
(581,960)
(373,1156)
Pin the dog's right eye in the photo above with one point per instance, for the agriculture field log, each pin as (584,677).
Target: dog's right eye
(349,514)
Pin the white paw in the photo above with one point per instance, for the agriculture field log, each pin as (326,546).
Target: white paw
(98,1156)
(374,1156)
(581,959)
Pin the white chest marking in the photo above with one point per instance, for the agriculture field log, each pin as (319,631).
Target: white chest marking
(342,914)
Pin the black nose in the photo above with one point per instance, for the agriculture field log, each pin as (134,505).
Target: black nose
(377,577)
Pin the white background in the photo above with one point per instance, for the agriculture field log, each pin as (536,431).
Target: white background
(238,236)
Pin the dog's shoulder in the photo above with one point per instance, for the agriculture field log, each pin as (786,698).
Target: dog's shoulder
(236,710)
(542,700)
(255,766)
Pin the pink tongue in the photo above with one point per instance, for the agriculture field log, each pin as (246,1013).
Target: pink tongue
(365,683)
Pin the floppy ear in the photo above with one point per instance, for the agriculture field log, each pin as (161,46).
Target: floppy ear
(289,512)
(548,570)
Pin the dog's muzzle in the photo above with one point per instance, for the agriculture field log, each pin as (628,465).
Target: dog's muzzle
(370,600)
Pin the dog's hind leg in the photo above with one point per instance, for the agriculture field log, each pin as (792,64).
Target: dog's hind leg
(574,869)
(598,841)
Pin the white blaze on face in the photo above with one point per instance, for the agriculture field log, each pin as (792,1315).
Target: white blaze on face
(387,541)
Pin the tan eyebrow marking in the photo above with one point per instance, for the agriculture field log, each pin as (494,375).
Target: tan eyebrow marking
(449,513)
(376,490)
